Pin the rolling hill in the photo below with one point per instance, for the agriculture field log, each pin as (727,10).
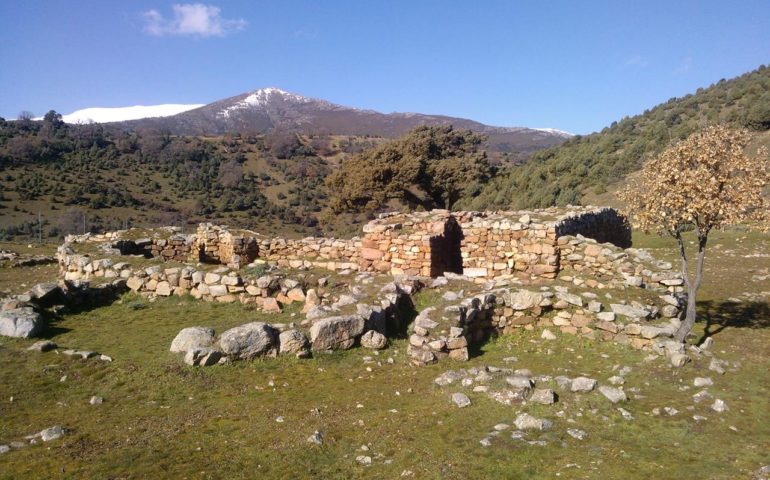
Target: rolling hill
(585,166)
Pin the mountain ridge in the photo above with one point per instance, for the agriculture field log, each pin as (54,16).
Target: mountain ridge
(273,109)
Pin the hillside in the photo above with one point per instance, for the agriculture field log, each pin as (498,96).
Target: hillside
(585,166)
(92,177)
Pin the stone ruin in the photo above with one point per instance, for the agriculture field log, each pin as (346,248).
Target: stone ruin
(486,245)
(517,269)
(479,245)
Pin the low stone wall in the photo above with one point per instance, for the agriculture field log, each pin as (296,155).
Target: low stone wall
(605,225)
(447,333)
(328,253)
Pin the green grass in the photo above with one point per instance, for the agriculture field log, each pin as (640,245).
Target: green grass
(163,419)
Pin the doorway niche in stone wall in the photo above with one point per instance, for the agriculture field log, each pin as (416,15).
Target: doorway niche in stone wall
(445,253)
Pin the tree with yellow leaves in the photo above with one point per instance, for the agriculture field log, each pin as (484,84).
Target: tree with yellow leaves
(702,183)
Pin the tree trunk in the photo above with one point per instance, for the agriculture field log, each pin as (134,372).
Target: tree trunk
(691,284)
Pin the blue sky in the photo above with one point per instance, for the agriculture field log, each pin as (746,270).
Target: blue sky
(572,65)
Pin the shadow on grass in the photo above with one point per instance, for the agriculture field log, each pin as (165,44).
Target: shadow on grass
(90,300)
(718,316)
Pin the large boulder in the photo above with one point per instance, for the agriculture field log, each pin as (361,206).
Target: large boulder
(193,338)
(335,333)
(293,342)
(20,322)
(248,341)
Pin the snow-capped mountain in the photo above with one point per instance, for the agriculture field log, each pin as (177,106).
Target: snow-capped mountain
(270,109)
(120,114)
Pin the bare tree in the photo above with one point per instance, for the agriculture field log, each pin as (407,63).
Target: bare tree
(702,183)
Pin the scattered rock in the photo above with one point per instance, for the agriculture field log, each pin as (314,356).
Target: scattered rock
(52,433)
(583,384)
(763,473)
(96,400)
(701,396)
(547,335)
(448,377)
(271,305)
(614,395)
(84,354)
(192,338)
(717,365)
(316,438)
(45,293)
(577,434)
(703,382)
(625,413)
(719,406)
(42,346)
(525,421)
(678,359)
(543,396)
(364,460)
(374,340)
(461,399)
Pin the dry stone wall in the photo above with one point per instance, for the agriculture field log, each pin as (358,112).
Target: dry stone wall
(328,253)
(485,245)
(480,245)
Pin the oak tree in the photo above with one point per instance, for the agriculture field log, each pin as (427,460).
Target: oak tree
(702,183)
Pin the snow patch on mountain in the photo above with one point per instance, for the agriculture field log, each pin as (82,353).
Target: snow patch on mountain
(260,98)
(120,114)
(555,131)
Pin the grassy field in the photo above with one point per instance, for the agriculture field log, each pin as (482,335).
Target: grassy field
(163,419)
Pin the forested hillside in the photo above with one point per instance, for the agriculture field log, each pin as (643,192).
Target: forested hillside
(72,178)
(589,164)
